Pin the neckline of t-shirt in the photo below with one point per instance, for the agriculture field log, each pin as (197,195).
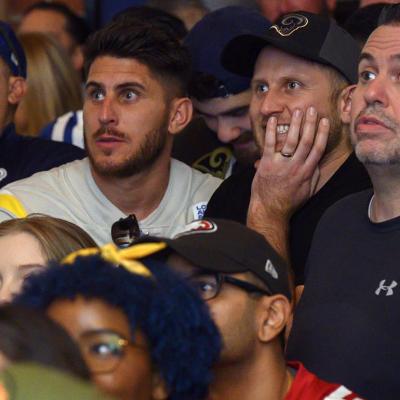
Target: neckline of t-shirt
(388,225)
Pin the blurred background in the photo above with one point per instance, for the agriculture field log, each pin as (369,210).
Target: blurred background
(97,12)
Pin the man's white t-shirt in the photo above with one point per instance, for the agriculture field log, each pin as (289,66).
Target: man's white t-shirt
(69,192)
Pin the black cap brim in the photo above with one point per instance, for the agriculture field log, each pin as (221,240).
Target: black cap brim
(241,53)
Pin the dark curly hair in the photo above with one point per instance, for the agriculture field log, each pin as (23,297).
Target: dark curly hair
(183,339)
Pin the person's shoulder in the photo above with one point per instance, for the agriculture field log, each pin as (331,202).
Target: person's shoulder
(239,181)
(39,143)
(307,385)
(231,199)
(45,178)
(44,192)
(348,204)
(180,169)
(40,154)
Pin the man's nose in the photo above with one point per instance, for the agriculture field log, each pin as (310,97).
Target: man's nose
(108,115)
(227,132)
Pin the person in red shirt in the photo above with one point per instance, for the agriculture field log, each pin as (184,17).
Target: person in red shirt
(247,288)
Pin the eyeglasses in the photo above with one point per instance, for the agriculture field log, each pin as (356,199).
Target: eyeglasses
(208,285)
(125,231)
(103,349)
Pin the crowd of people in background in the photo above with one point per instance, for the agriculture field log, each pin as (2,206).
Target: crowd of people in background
(201,202)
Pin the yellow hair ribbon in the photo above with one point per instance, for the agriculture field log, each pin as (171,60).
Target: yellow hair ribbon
(126,258)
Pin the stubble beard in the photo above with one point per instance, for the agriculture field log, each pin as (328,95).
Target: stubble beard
(389,154)
(246,156)
(142,159)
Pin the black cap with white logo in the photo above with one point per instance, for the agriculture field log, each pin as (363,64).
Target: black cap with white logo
(227,246)
(310,36)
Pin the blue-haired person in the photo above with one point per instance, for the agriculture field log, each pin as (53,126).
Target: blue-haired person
(143,332)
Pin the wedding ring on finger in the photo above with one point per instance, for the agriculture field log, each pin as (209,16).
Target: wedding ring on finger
(286,155)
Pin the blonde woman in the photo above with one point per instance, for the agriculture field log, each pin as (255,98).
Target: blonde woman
(53,84)
(29,244)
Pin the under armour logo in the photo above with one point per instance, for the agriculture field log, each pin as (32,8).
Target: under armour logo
(385,288)
(3,173)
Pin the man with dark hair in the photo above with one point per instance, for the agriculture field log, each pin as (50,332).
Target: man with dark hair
(135,102)
(347,323)
(21,157)
(57,19)
(68,128)
(155,16)
(295,87)
(221,98)
(274,9)
(245,284)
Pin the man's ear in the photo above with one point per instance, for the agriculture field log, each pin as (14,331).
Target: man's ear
(180,114)
(345,103)
(159,391)
(16,89)
(274,314)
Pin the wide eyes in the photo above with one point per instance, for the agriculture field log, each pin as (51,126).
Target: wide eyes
(366,76)
(98,94)
(260,88)
(95,94)
(129,95)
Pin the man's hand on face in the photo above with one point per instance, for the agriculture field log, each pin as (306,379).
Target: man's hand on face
(285,180)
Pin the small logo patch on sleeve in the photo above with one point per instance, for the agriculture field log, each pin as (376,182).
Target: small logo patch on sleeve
(199,210)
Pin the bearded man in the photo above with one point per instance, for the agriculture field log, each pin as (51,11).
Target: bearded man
(135,102)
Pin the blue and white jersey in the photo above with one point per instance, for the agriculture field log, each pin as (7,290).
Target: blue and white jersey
(68,129)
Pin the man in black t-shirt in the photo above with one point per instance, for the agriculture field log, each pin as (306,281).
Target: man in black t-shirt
(301,68)
(20,156)
(347,323)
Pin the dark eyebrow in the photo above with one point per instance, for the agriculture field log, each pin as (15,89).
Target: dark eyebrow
(257,81)
(124,85)
(127,85)
(367,57)
(92,83)
(235,110)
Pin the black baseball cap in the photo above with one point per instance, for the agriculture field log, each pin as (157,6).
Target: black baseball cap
(310,36)
(208,37)
(227,246)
